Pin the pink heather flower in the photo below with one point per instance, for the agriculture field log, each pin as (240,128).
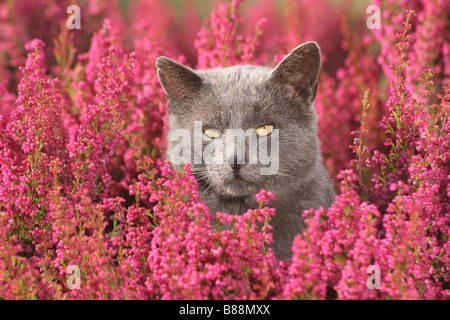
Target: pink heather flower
(220,44)
(181,261)
(33,150)
(264,196)
(101,124)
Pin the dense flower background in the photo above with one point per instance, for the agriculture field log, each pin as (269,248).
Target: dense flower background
(82,138)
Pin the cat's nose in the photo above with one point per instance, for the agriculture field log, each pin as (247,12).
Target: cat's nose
(236,167)
(234,164)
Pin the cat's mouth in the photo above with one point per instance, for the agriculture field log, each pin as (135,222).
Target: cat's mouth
(238,179)
(229,184)
(239,186)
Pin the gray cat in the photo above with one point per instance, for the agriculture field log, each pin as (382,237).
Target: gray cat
(258,99)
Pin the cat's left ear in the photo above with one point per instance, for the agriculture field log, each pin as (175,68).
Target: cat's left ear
(298,73)
(177,80)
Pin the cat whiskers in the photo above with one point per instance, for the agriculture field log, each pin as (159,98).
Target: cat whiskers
(201,177)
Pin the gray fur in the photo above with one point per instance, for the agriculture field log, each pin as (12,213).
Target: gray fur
(247,97)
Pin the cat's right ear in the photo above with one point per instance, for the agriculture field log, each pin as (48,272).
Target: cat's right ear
(298,73)
(177,80)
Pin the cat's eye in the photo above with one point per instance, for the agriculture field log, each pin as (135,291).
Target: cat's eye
(213,133)
(264,130)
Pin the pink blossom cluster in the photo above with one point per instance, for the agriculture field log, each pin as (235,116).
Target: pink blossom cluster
(428,43)
(221,45)
(84,181)
(188,260)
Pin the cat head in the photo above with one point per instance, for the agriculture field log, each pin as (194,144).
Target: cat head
(209,110)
